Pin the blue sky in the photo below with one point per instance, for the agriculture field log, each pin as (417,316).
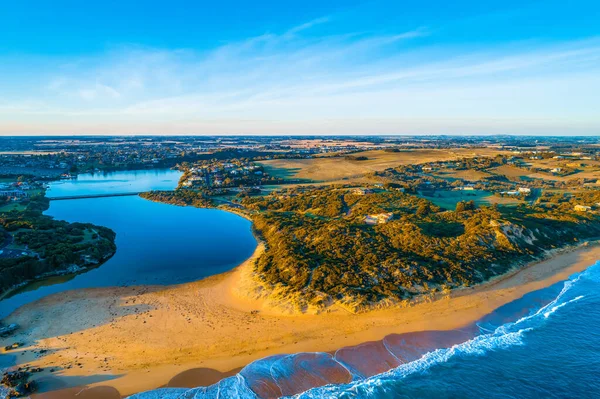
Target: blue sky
(313,67)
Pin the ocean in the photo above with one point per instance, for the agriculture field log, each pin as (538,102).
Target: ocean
(544,345)
(552,352)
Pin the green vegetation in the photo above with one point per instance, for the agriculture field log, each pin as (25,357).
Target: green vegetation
(11,206)
(34,244)
(356,158)
(448,199)
(320,251)
(182,197)
(463,206)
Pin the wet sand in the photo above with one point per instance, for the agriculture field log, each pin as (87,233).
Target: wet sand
(139,338)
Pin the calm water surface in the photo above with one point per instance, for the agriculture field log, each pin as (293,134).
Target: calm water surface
(116,182)
(156,243)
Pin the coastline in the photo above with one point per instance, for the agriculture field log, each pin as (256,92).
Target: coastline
(211,324)
(72,270)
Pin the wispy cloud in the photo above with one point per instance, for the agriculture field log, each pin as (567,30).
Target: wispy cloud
(300,83)
(307,25)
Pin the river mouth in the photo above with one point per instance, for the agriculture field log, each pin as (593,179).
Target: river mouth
(157,244)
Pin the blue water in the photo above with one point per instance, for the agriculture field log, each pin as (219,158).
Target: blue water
(544,345)
(156,243)
(116,182)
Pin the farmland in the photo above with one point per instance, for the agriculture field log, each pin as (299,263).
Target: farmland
(337,169)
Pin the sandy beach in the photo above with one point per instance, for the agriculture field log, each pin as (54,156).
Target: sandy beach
(131,339)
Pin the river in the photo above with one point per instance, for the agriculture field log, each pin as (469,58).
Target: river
(156,243)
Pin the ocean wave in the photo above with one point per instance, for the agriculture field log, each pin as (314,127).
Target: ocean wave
(366,388)
(555,308)
(503,337)
(163,393)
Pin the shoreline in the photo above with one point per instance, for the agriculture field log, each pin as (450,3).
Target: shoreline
(204,321)
(72,270)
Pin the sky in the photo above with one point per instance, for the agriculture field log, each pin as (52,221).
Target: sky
(309,67)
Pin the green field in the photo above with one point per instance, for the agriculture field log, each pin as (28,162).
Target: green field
(15,206)
(449,199)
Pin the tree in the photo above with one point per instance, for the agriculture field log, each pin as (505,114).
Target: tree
(423,210)
(465,206)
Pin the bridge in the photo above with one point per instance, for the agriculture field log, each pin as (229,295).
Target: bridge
(72,197)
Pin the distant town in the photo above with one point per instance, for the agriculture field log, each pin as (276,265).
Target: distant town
(237,164)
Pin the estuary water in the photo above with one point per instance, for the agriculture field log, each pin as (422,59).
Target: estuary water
(156,243)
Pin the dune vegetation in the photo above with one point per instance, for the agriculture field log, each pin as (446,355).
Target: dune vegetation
(321,251)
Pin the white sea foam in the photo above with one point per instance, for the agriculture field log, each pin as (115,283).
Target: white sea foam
(164,393)
(555,308)
(474,347)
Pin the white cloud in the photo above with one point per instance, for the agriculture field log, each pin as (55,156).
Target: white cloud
(307,25)
(98,91)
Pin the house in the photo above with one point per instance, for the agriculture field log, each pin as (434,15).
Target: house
(370,219)
(556,170)
(379,218)
(582,208)
(524,190)
(13,194)
(362,191)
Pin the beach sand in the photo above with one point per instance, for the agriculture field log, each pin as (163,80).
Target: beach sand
(139,338)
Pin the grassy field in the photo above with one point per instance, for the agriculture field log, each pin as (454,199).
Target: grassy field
(449,199)
(512,172)
(273,169)
(579,169)
(468,175)
(12,207)
(339,169)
